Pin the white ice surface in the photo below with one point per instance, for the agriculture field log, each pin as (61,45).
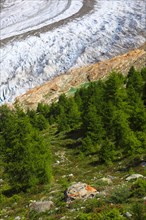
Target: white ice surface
(113,27)
(28,15)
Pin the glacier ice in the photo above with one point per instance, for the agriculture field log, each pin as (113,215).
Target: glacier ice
(32,51)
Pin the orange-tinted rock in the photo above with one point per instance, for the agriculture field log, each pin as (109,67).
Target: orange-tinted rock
(51,90)
(90,189)
(80,191)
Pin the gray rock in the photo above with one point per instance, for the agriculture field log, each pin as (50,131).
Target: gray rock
(41,206)
(128,214)
(143,164)
(80,191)
(134,176)
(17,218)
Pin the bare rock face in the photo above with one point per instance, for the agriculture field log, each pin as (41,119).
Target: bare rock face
(80,191)
(50,91)
(41,206)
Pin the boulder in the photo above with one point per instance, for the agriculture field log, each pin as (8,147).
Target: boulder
(80,191)
(17,218)
(41,206)
(134,176)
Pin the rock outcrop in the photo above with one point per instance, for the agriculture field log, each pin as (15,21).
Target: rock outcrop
(80,191)
(41,206)
(134,176)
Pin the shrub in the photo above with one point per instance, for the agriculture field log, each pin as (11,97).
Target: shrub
(120,194)
(139,211)
(113,214)
(139,188)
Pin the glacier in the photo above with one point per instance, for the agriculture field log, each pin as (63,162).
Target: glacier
(41,39)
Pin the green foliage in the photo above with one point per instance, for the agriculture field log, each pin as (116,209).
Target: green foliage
(138,211)
(110,115)
(86,216)
(114,90)
(143,73)
(25,155)
(2,198)
(112,214)
(107,152)
(66,113)
(88,145)
(37,120)
(134,82)
(43,109)
(139,188)
(120,194)
(41,122)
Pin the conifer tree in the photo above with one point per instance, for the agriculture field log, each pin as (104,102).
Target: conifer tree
(25,155)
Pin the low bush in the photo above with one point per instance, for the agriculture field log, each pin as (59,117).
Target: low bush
(139,188)
(120,194)
(138,211)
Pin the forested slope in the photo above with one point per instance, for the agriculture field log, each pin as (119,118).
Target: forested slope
(102,126)
(109,115)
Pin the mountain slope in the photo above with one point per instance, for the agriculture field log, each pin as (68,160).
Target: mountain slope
(51,90)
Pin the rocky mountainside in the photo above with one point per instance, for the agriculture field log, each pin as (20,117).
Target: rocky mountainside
(51,90)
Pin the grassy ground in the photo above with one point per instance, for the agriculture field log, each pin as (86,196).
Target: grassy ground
(120,196)
(73,90)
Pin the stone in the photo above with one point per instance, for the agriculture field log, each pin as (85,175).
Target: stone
(71,175)
(128,214)
(41,206)
(106,180)
(17,218)
(111,177)
(143,164)
(80,191)
(134,176)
